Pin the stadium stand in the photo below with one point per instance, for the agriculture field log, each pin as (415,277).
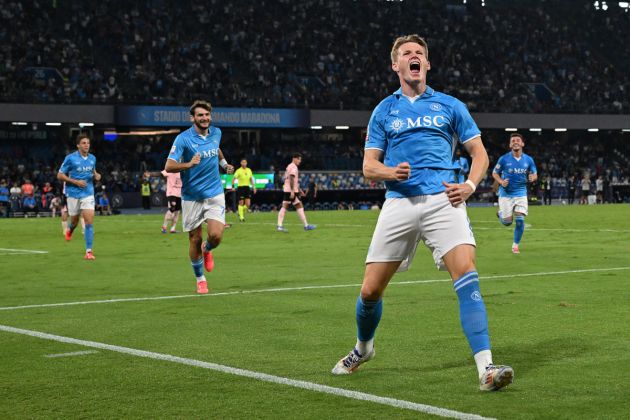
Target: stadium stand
(323,55)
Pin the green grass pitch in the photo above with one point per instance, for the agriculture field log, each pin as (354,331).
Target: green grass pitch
(283,305)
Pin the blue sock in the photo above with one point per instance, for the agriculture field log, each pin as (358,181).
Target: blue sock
(207,247)
(70,227)
(519,229)
(89,236)
(198,267)
(368,316)
(472,312)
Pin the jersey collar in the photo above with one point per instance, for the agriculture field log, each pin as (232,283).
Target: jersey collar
(196,135)
(427,93)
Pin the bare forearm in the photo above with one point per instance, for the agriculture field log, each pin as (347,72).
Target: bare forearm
(375,170)
(65,178)
(480,161)
(174,167)
(497,177)
(479,167)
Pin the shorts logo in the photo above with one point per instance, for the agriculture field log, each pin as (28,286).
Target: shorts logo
(476,296)
(397,124)
(435,107)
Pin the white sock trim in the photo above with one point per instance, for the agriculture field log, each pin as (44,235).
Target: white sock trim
(364,347)
(483,359)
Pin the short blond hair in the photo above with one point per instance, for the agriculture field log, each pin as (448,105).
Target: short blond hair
(408,38)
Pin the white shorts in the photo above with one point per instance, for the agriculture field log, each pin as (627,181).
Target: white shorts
(404,222)
(194,213)
(75,205)
(510,205)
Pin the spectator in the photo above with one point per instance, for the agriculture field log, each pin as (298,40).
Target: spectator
(104,206)
(29,205)
(28,189)
(5,203)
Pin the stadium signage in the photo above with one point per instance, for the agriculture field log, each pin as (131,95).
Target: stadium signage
(175,116)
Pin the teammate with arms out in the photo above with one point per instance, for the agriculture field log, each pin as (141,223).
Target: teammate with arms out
(173,199)
(78,172)
(291,194)
(409,145)
(196,156)
(512,172)
(246,184)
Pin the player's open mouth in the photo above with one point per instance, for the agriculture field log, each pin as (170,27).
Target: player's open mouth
(414,66)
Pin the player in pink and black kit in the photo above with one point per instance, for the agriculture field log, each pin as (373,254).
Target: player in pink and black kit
(292,193)
(173,198)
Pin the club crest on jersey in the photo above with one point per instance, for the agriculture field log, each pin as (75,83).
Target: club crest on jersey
(435,107)
(397,125)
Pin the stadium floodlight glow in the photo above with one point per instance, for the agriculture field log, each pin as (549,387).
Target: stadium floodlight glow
(86,125)
(624,4)
(511,129)
(559,129)
(625,130)
(593,130)
(18,123)
(535,129)
(54,124)
(316,127)
(342,127)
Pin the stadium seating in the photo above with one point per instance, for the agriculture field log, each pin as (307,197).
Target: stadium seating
(507,57)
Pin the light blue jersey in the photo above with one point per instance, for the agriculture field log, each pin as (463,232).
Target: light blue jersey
(423,133)
(203,180)
(517,172)
(81,168)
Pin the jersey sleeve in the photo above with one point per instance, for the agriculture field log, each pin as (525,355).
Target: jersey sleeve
(463,123)
(376,135)
(65,166)
(498,167)
(177,150)
(532,166)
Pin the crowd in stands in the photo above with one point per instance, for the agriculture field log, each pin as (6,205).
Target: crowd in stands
(521,56)
(567,164)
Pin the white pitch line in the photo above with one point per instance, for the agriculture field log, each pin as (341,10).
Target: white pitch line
(310,386)
(290,289)
(12,251)
(74,353)
(557,229)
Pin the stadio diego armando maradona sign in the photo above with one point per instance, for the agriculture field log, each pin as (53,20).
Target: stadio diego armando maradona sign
(178,116)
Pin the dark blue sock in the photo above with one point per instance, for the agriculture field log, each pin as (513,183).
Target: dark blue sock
(197,267)
(519,229)
(472,312)
(207,247)
(368,316)
(89,236)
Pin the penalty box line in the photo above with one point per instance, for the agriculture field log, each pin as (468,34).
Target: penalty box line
(309,386)
(290,289)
